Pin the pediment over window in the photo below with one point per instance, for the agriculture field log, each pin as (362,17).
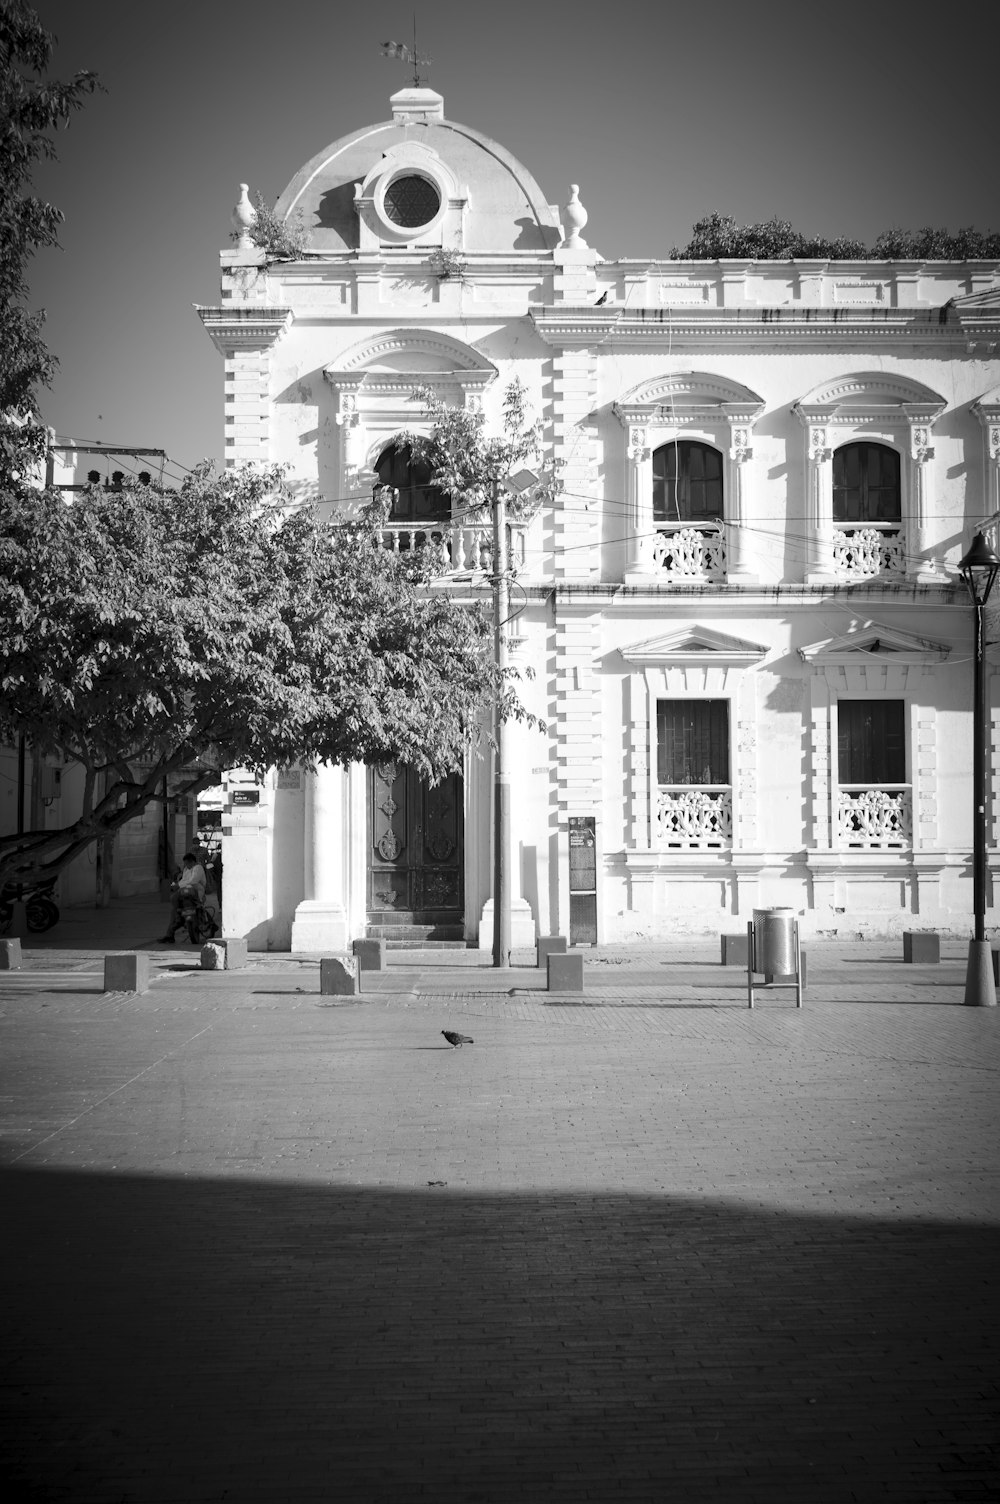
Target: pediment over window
(871,396)
(871,643)
(404,358)
(689,397)
(694,645)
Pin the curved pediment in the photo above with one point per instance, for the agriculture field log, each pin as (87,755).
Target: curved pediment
(682,396)
(867,394)
(412,350)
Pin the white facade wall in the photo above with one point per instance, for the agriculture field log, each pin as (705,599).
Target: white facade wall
(775,365)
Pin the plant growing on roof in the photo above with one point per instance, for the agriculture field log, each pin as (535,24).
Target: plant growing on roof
(718,237)
(447,264)
(279,239)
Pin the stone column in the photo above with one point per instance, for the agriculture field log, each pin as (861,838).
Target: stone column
(320,922)
(740,455)
(819,568)
(915,519)
(640,511)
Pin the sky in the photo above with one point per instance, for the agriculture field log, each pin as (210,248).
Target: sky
(846,119)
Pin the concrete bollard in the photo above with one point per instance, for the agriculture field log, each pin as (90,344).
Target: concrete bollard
(339,976)
(922,946)
(224,955)
(127,971)
(735,950)
(369,954)
(565,973)
(10,955)
(549,945)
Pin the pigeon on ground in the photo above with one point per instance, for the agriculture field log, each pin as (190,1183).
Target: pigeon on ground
(457,1039)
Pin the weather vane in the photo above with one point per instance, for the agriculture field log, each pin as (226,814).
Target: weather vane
(408,55)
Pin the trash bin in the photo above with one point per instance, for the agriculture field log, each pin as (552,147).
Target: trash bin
(774,942)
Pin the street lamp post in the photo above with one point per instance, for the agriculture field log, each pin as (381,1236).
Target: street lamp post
(501,771)
(979,570)
(511,485)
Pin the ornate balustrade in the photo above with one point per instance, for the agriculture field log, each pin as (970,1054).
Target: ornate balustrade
(460,548)
(693,819)
(860,553)
(875,819)
(687,552)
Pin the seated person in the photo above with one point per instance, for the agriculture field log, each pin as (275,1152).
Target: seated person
(192,877)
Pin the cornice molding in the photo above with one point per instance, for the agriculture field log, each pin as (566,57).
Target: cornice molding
(686,328)
(244,327)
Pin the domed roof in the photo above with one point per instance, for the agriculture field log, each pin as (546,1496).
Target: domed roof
(423,180)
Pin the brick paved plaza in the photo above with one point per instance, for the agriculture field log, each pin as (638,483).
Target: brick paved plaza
(644,1245)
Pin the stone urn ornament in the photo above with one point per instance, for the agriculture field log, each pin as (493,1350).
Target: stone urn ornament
(574,217)
(243,217)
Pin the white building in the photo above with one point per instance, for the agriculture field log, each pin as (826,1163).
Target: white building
(750,644)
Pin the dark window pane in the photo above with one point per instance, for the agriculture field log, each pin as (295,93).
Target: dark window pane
(411,201)
(687,483)
(692,741)
(418,500)
(871,737)
(866,484)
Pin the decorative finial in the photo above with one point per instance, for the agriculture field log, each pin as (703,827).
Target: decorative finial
(243,217)
(575,217)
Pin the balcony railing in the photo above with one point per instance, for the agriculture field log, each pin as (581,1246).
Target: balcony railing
(691,551)
(878,818)
(694,819)
(863,550)
(458,548)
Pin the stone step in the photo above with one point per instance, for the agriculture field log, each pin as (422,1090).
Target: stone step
(403,936)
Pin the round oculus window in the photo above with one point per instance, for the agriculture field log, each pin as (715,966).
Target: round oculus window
(410,202)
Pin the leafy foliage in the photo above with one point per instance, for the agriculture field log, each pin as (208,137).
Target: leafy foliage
(280,239)
(718,237)
(469,466)
(146,633)
(31,108)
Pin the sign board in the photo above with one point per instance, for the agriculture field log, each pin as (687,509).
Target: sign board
(582,879)
(290,778)
(245,796)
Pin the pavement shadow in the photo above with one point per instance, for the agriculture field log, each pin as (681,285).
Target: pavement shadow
(175,1339)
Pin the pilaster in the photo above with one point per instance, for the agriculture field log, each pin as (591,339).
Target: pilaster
(576,553)
(919,566)
(245,335)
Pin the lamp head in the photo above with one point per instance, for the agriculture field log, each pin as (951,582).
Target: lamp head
(979,570)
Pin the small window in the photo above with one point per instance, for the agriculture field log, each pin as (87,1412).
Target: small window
(411,201)
(692,742)
(871,737)
(687,483)
(417,500)
(866,484)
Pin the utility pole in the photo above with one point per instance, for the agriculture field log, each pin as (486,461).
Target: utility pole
(501,771)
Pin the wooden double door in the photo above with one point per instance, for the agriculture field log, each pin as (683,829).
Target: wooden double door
(415,847)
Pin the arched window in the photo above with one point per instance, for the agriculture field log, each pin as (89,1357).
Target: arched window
(417,500)
(687,483)
(866,484)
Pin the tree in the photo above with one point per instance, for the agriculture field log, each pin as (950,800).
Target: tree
(147,633)
(468,466)
(31,108)
(718,237)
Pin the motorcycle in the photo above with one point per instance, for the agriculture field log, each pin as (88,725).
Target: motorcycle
(40,909)
(196,918)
